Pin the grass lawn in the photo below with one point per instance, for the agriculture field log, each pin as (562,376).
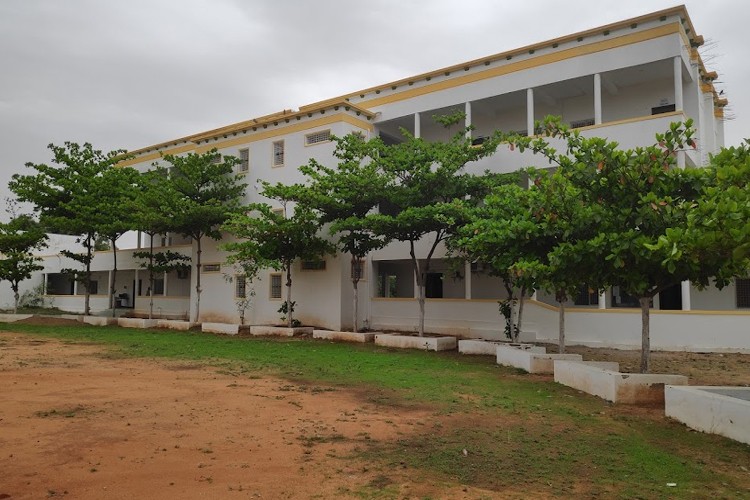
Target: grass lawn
(495,428)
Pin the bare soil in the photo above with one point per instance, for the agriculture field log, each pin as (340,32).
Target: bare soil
(76,422)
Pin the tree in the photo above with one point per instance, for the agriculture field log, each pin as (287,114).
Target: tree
(424,184)
(160,263)
(18,238)
(202,193)
(269,238)
(68,198)
(150,210)
(342,197)
(118,188)
(657,224)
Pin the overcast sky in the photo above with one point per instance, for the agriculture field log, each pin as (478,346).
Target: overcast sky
(128,74)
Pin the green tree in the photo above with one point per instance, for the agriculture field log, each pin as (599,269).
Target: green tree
(203,192)
(118,188)
(18,239)
(67,197)
(342,197)
(268,238)
(160,263)
(425,185)
(656,223)
(150,210)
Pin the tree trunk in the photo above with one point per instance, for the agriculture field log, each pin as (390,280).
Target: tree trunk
(512,319)
(113,285)
(645,334)
(151,278)
(87,282)
(420,287)
(289,319)
(356,304)
(198,281)
(16,298)
(520,311)
(561,332)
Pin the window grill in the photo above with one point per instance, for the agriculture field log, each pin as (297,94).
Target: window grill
(278,154)
(244,160)
(317,137)
(240,287)
(276,285)
(586,122)
(742,290)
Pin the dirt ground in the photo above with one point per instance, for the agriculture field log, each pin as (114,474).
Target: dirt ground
(76,423)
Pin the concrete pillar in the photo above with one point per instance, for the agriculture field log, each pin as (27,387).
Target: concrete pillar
(685,288)
(109,282)
(417,126)
(467,280)
(533,296)
(597,99)
(681,159)
(44,283)
(165,284)
(139,245)
(530,112)
(678,102)
(603,300)
(467,112)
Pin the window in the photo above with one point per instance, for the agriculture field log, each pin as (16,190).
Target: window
(278,154)
(313,265)
(93,287)
(586,296)
(244,165)
(358,271)
(278,211)
(742,290)
(275,285)
(668,108)
(586,122)
(158,286)
(183,273)
(211,268)
(240,287)
(317,137)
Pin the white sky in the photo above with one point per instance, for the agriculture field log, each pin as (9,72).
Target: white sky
(130,74)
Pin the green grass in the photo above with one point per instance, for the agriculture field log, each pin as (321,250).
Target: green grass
(516,429)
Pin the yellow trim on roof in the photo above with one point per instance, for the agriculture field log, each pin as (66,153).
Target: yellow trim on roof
(297,127)
(641,36)
(158,154)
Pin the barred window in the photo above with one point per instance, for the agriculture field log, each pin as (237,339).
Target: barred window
(586,122)
(313,265)
(317,137)
(240,286)
(278,154)
(742,289)
(244,160)
(275,285)
(211,268)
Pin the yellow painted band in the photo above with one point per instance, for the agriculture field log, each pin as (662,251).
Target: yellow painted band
(297,127)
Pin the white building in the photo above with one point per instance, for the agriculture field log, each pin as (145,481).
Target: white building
(625,81)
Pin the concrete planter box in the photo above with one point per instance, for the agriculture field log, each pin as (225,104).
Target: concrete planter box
(98,320)
(628,388)
(280,331)
(224,328)
(12,318)
(489,347)
(174,324)
(411,342)
(530,361)
(718,410)
(137,322)
(345,336)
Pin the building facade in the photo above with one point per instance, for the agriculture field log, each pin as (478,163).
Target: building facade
(625,81)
